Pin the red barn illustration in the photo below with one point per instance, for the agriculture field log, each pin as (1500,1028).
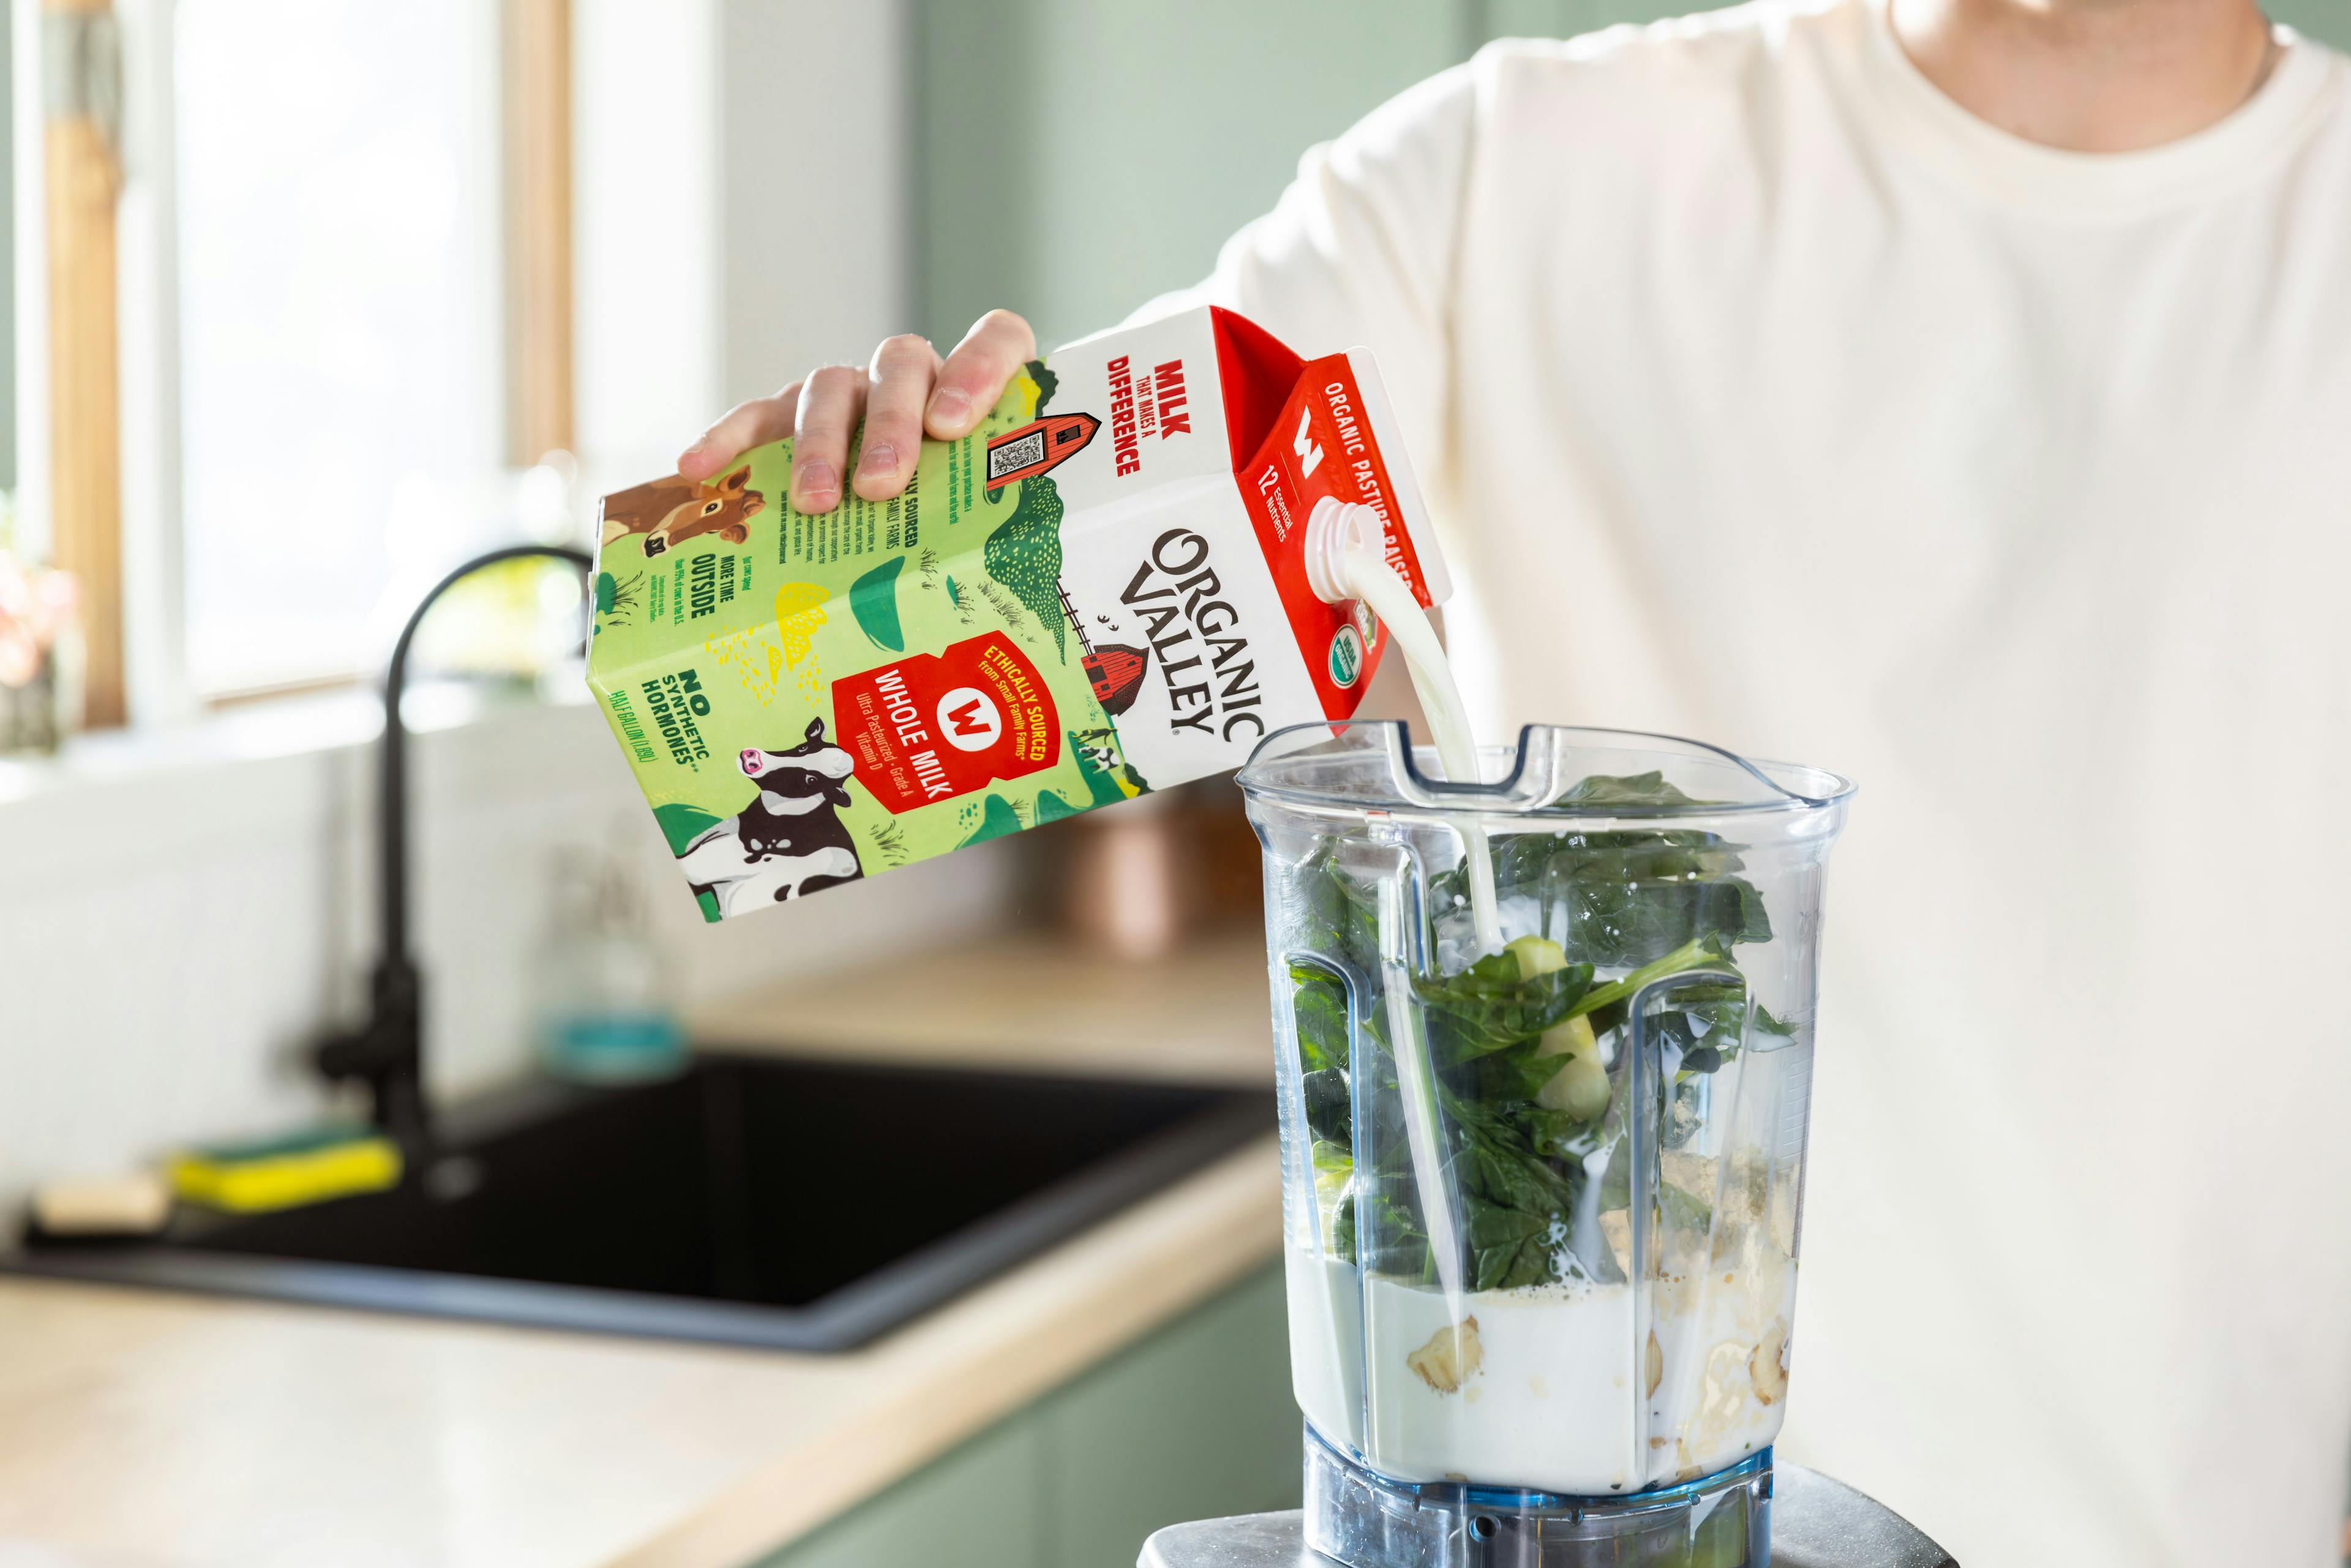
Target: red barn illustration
(1037,446)
(1113,671)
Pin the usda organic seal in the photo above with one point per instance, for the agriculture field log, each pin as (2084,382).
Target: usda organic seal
(1346,656)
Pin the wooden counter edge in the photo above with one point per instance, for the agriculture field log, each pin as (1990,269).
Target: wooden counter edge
(1127,1278)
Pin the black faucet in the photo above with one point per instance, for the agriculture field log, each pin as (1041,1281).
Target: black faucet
(387,1052)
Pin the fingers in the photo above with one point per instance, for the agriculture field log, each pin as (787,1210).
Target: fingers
(903,392)
(830,400)
(897,386)
(975,374)
(744,426)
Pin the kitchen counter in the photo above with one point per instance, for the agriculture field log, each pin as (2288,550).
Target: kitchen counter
(144,1429)
(1029,1001)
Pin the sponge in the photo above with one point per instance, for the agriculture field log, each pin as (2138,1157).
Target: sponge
(285,1171)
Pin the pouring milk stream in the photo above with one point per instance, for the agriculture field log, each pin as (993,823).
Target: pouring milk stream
(1345,561)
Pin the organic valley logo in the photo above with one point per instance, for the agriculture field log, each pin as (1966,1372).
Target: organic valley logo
(1204,657)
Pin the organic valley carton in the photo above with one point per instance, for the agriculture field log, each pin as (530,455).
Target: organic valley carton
(1099,591)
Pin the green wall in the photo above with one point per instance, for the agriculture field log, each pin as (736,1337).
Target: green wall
(2329,21)
(1053,180)
(1079,157)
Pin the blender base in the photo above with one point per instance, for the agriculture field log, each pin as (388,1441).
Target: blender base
(1366,1520)
(1814,1523)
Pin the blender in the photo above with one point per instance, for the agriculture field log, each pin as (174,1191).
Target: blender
(1542,1138)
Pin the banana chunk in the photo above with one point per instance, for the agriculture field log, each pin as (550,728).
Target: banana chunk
(1768,1366)
(1451,1358)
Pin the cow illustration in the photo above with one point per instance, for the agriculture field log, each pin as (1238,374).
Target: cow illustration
(789,842)
(668,512)
(1100,749)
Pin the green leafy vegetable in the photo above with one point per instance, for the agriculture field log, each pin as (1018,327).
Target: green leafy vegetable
(1630,897)
(1643,791)
(1531,1103)
(1339,918)
(1490,1006)
(1319,1002)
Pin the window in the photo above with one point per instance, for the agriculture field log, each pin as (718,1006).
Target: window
(341,389)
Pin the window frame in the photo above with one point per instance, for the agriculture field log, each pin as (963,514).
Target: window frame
(146,598)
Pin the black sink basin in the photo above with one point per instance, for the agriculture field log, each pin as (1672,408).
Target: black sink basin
(753,1201)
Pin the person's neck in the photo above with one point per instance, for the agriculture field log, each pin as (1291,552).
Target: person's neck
(2090,76)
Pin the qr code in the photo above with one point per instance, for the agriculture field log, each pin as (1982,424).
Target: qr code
(1015,456)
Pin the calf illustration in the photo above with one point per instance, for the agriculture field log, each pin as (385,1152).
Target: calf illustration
(789,842)
(668,512)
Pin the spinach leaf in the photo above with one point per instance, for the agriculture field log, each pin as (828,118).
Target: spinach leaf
(1512,1246)
(1340,917)
(1317,1004)
(1329,1115)
(1630,896)
(1342,1191)
(1518,1201)
(1634,904)
(1488,1007)
(1399,1241)
(1515,1074)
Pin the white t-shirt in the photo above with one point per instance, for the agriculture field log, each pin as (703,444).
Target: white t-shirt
(1765,395)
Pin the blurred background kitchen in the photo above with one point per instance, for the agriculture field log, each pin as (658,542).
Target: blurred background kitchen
(314,298)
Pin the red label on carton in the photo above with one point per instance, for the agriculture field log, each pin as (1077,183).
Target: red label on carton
(932,726)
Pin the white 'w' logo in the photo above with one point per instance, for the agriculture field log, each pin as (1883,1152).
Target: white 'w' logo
(1310,453)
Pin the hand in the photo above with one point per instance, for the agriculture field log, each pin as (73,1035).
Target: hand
(904,392)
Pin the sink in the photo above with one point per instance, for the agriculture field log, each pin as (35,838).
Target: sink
(753,1200)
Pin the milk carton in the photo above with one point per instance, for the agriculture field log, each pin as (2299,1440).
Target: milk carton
(1099,592)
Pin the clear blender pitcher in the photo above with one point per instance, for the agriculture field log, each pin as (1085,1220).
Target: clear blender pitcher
(1540,1204)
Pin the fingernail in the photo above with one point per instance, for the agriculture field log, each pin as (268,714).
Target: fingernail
(879,461)
(815,479)
(949,407)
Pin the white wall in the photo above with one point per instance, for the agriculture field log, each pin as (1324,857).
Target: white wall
(180,912)
(648,234)
(816,268)
(177,921)
(743,213)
